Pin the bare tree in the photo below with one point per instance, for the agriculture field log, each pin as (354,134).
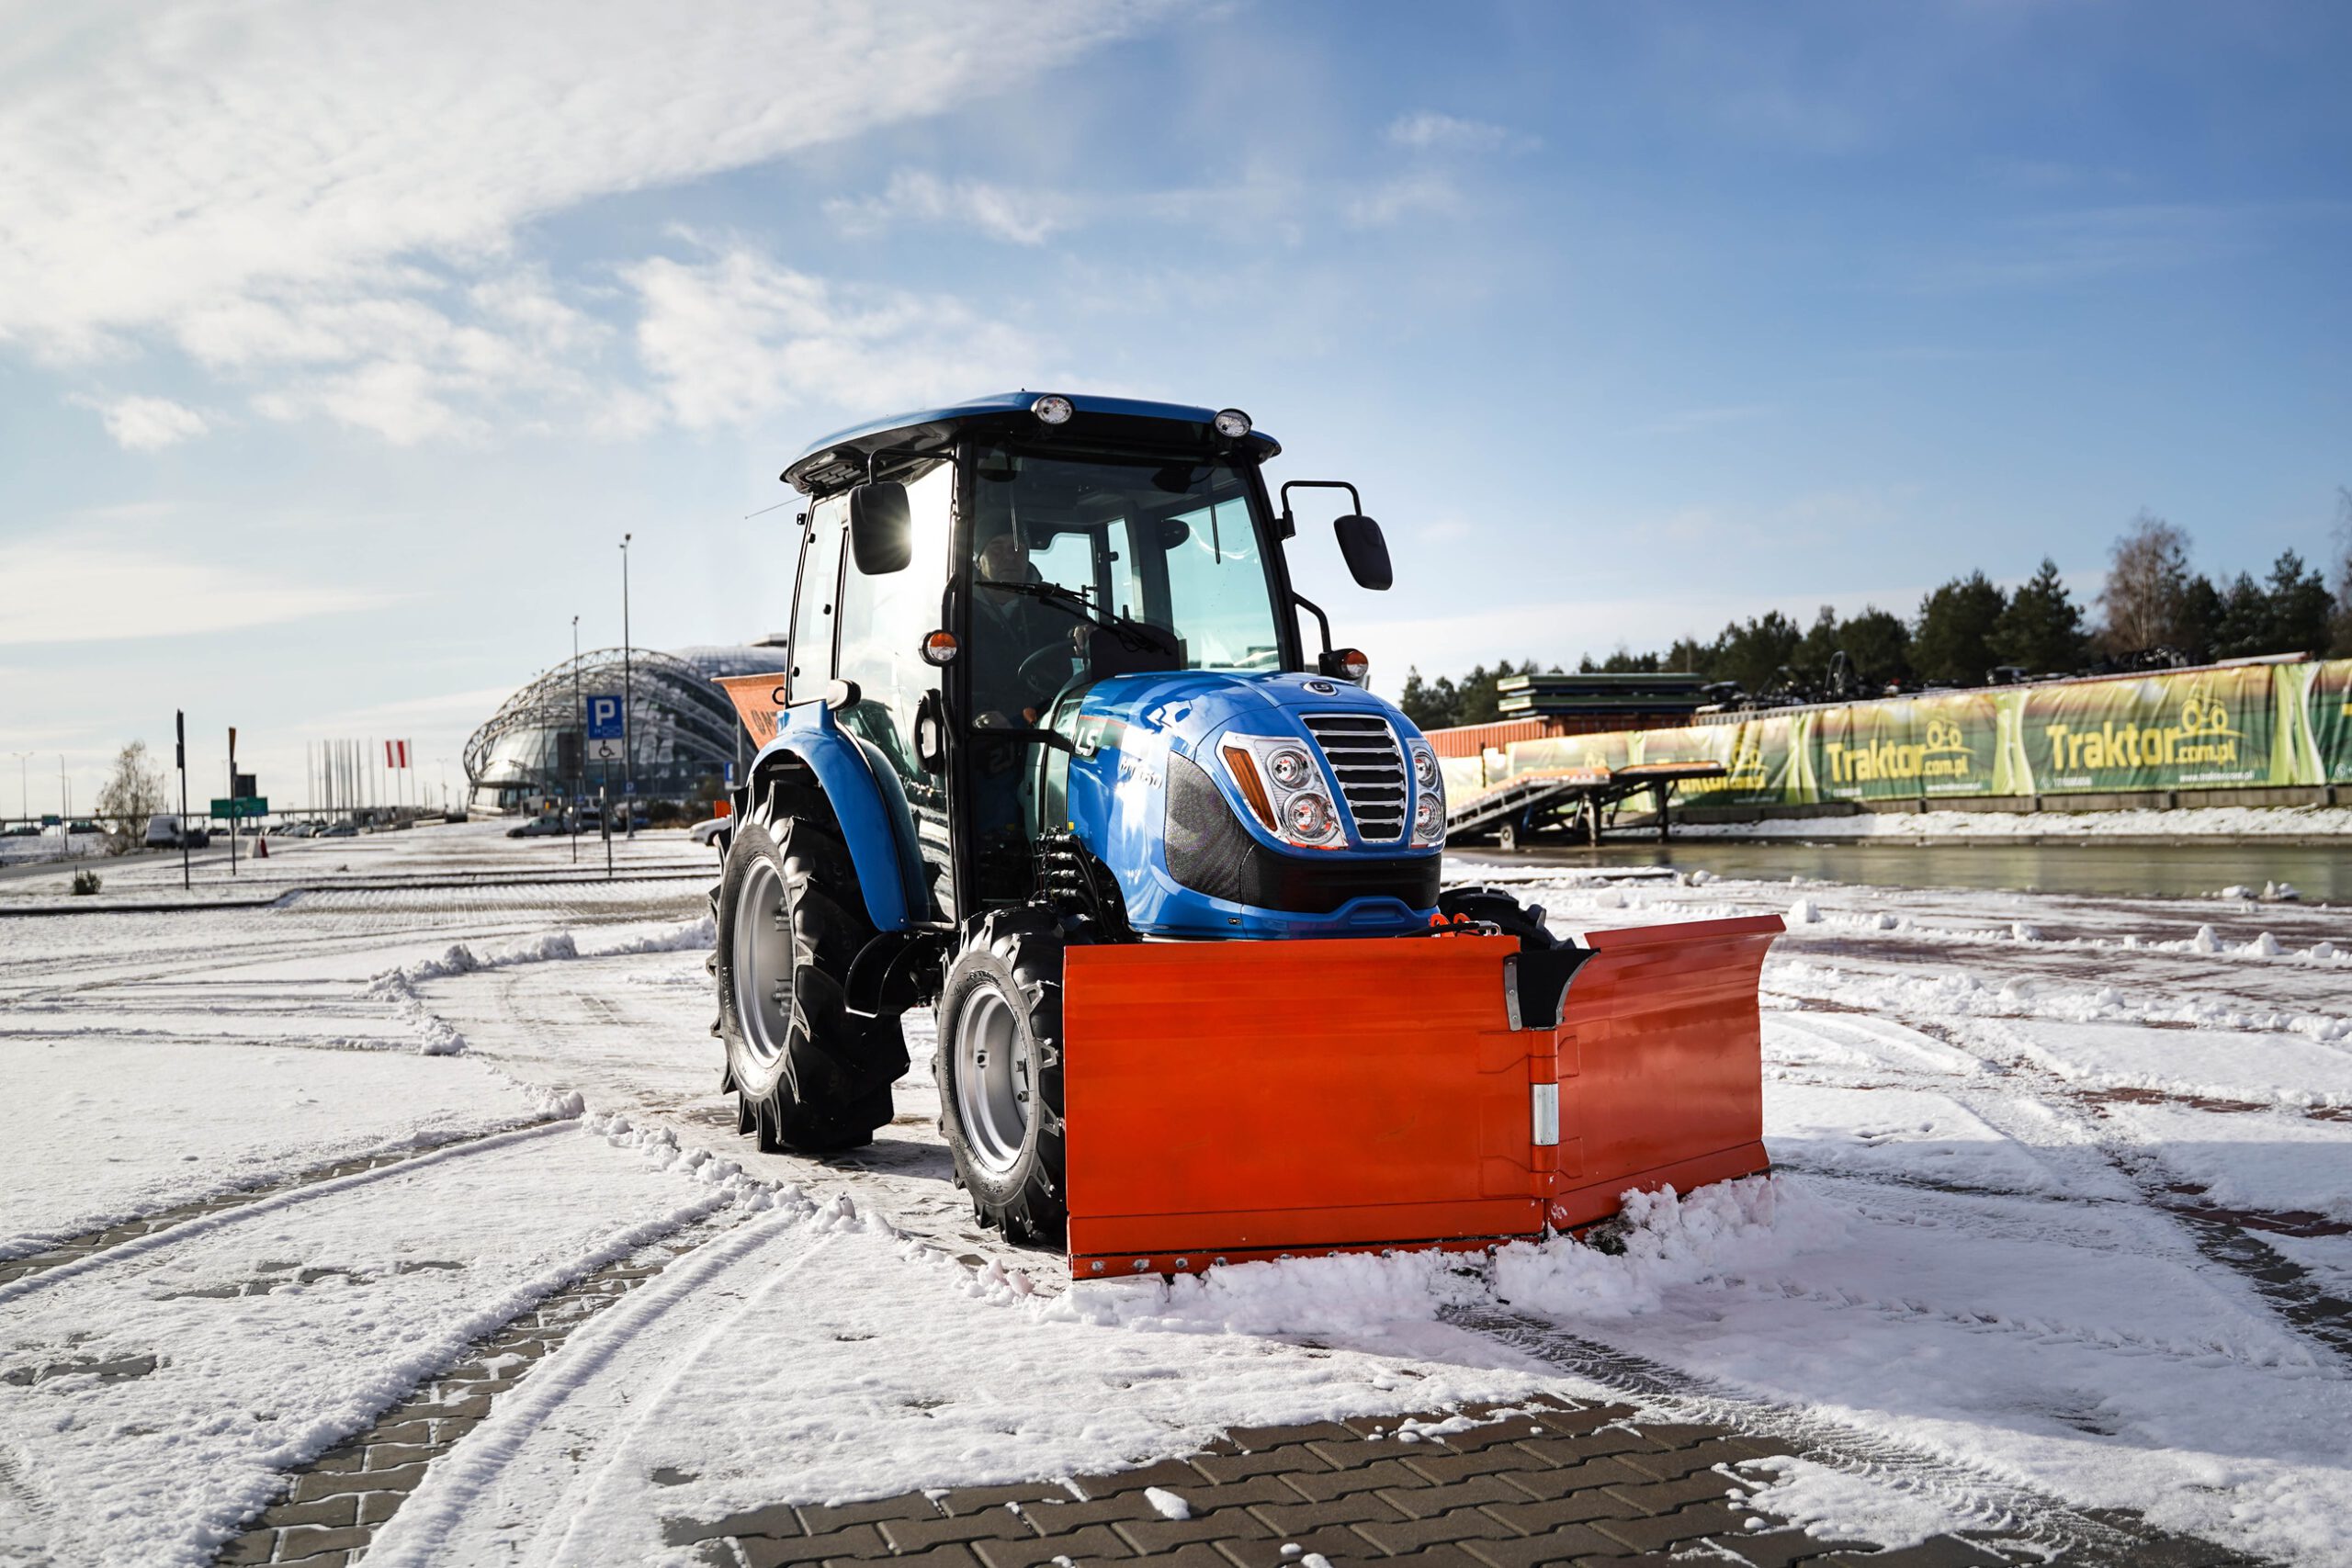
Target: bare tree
(133,792)
(2147,573)
(2342,645)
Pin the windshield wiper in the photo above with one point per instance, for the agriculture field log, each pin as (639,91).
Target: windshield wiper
(1139,636)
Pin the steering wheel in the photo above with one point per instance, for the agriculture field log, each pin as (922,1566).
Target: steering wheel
(1034,674)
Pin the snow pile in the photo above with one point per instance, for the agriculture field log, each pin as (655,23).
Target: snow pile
(1166,1504)
(1717,1233)
(1355,1293)
(660,1147)
(436,1035)
(1839,1504)
(550,947)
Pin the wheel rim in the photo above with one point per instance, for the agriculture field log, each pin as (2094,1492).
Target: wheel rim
(763,962)
(993,1088)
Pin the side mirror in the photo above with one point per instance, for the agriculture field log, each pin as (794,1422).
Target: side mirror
(1366,551)
(881,530)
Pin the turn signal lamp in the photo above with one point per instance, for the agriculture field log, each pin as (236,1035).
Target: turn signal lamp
(1350,664)
(1231,423)
(1244,769)
(941,649)
(1052,409)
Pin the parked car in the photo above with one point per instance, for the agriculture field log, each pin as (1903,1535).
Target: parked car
(546,824)
(340,830)
(21,830)
(85,827)
(707,831)
(167,831)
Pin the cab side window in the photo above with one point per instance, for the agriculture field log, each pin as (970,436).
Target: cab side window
(812,610)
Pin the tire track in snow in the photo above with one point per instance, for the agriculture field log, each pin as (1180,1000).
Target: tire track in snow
(2291,1296)
(211,1217)
(1989,1502)
(459,1481)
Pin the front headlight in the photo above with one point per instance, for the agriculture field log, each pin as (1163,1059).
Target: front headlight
(1428,804)
(1285,790)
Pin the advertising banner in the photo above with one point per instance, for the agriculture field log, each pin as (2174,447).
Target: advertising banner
(2319,704)
(1946,743)
(2192,729)
(1564,753)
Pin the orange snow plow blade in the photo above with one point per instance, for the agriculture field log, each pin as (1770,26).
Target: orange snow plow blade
(1246,1100)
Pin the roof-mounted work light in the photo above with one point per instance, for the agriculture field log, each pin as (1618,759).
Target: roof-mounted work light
(1052,409)
(1231,423)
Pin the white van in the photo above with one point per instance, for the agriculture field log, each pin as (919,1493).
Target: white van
(162,833)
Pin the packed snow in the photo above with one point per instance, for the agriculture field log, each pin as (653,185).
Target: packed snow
(2063,1202)
(2053,821)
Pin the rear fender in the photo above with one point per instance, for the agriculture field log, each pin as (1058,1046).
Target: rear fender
(869,806)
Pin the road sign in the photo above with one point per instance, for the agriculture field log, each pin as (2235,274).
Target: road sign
(246,788)
(605,722)
(242,805)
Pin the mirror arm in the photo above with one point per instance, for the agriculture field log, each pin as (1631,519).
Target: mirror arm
(1304,603)
(1290,523)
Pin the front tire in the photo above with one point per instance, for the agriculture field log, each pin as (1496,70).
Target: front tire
(809,1075)
(1000,1073)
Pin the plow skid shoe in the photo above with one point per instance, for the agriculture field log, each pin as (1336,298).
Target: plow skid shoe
(1248,1099)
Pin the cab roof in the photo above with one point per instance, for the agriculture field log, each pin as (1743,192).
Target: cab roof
(841,458)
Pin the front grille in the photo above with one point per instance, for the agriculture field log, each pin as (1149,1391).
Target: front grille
(1370,768)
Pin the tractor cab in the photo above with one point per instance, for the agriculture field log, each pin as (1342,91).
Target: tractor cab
(1004,585)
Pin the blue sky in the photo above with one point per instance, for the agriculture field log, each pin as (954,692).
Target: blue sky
(337,350)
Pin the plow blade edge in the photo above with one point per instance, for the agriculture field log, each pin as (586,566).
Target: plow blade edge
(1245,1099)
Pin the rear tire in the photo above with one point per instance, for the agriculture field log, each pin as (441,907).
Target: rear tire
(809,1075)
(1499,909)
(1000,1073)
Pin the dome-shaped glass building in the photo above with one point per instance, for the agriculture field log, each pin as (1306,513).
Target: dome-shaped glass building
(683,730)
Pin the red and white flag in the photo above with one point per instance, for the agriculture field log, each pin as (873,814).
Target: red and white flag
(396,754)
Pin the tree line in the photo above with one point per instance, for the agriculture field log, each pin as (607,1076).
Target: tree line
(2154,611)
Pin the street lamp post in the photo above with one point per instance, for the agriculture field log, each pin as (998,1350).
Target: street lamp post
(629,729)
(24,786)
(579,718)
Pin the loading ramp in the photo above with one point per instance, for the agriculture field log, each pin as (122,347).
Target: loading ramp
(1577,800)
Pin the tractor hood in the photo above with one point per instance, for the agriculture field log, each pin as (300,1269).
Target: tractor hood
(1170,784)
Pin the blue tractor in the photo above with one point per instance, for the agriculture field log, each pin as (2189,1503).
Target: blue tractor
(1051,756)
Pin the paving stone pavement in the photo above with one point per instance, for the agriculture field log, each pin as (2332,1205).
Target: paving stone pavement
(341,1498)
(1555,1483)
(1547,1481)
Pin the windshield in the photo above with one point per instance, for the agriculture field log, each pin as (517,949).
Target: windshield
(1168,543)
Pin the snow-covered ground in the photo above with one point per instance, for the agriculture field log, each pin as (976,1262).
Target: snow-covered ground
(2063,1204)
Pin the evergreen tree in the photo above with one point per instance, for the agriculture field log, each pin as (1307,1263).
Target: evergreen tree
(1879,645)
(2196,620)
(1431,704)
(2244,625)
(1952,646)
(1818,650)
(1755,654)
(2041,630)
(2301,608)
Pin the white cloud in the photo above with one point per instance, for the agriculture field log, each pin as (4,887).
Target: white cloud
(1421,194)
(328,199)
(1021,218)
(735,335)
(75,590)
(148,425)
(1426,131)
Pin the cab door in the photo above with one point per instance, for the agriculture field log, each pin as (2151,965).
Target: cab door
(883,622)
